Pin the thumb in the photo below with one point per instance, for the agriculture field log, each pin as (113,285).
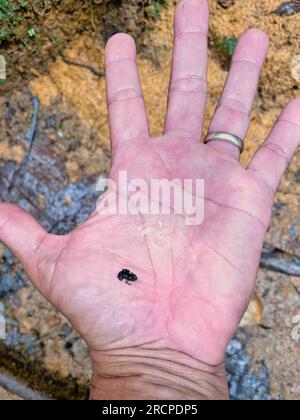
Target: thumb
(23,235)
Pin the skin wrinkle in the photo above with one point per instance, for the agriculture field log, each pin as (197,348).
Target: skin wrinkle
(191,32)
(179,133)
(129,262)
(173,303)
(293,123)
(192,248)
(91,337)
(245,61)
(163,357)
(140,360)
(119,60)
(116,341)
(223,158)
(126,261)
(203,245)
(151,379)
(238,209)
(104,229)
(171,207)
(194,195)
(202,88)
(39,244)
(207,303)
(229,103)
(157,362)
(3,223)
(190,76)
(186,90)
(132,94)
(199,397)
(161,159)
(173,289)
(263,181)
(143,136)
(37,248)
(155,276)
(222,256)
(215,310)
(123,351)
(186,384)
(205,197)
(56,262)
(278,150)
(218,252)
(237,96)
(234,111)
(39,256)
(211,329)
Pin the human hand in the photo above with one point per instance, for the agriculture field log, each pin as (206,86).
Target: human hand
(165,335)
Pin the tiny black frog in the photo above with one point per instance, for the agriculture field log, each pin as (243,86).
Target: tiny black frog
(128,276)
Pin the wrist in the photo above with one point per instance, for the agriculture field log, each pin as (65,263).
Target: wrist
(148,375)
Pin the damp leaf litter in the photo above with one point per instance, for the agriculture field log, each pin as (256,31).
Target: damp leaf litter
(12,19)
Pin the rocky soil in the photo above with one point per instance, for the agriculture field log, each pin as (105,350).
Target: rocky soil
(62,66)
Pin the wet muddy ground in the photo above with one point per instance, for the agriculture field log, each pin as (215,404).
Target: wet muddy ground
(61,65)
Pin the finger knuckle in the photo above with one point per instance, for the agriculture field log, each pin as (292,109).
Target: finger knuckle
(189,83)
(125,95)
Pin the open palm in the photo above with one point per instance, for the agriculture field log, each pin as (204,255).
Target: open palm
(194,282)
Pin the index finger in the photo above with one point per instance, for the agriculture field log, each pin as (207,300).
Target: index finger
(127,112)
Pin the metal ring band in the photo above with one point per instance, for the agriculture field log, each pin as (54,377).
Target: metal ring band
(226,137)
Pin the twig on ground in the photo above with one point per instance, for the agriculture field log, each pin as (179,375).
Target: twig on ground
(32,131)
(31,137)
(66,60)
(96,72)
(92,16)
(42,13)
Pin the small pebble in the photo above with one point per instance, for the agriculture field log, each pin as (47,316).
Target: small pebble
(226,3)
(288,8)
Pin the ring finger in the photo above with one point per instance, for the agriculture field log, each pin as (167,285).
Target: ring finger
(232,114)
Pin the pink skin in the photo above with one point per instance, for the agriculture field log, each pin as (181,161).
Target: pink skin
(194,285)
